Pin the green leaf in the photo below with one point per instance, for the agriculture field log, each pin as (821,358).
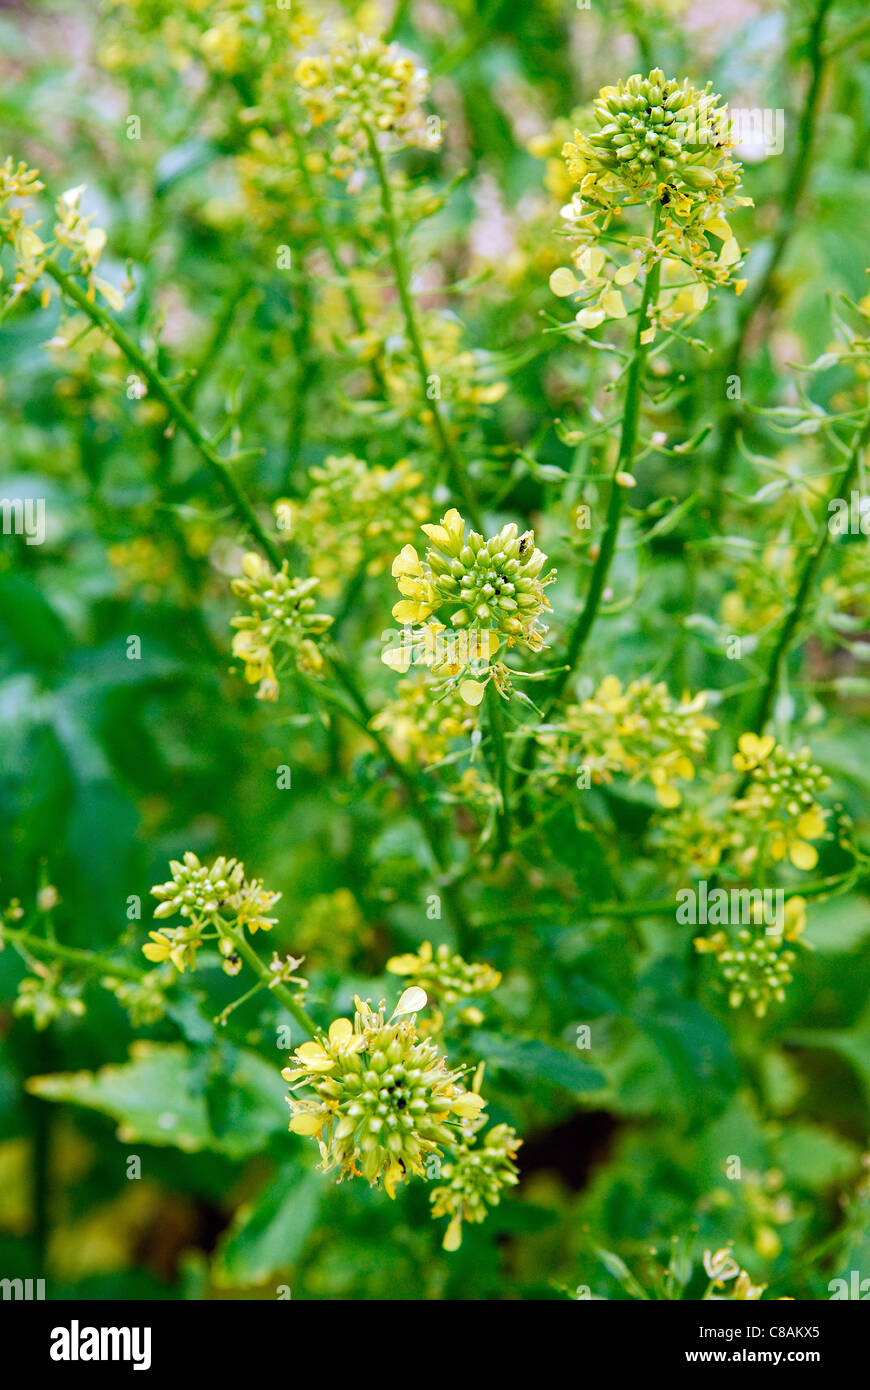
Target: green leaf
(839,925)
(148,1096)
(159,1097)
(816,1158)
(269,1234)
(537,1061)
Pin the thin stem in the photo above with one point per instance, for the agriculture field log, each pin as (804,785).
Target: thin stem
(795,186)
(174,404)
(499,760)
(361,714)
(331,248)
(812,562)
(661,907)
(397,255)
(90,961)
(244,948)
(624,459)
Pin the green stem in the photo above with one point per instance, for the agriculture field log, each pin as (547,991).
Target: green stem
(792,195)
(361,714)
(331,248)
(812,563)
(397,255)
(499,760)
(624,459)
(659,907)
(174,404)
(244,948)
(90,961)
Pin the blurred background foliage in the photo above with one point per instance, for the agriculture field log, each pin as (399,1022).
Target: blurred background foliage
(110,766)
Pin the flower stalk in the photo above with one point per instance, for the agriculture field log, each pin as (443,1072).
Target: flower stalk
(455,461)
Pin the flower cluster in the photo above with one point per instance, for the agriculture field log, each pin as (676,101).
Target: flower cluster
(761,589)
(283,614)
(224,36)
(461,377)
(143,1000)
(46,996)
(473,1179)
(210,899)
(446,977)
(331,925)
(496,586)
(721,1267)
(757,967)
(355,515)
(19,185)
(384,1100)
(780,813)
(660,142)
(72,232)
(640,731)
(363,84)
(416,723)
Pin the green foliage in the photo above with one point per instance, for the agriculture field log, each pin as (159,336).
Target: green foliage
(439,551)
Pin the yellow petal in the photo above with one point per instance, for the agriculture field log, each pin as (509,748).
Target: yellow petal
(453,1235)
(468,1105)
(590,261)
(802,855)
(402,965)
(406,562)
(397,658)
(411,1001)
(811,825)
(563,282)
(472,692)
(667,795)
(613,305)
(719,227)
(307,1124)
(411,611)
(340,1030)
(626,273)
(436,534)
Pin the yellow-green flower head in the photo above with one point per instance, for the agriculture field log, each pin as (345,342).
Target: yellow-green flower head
(196,890)
(474,1179)
(757,968)
(639,730)
(444,975)
(363,82)
(654,130)
(283,614)
(780,810)
(418,724)
(47,997)
(355,514)
(493,585)
(208,897)
(383,1098)
(667,145)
